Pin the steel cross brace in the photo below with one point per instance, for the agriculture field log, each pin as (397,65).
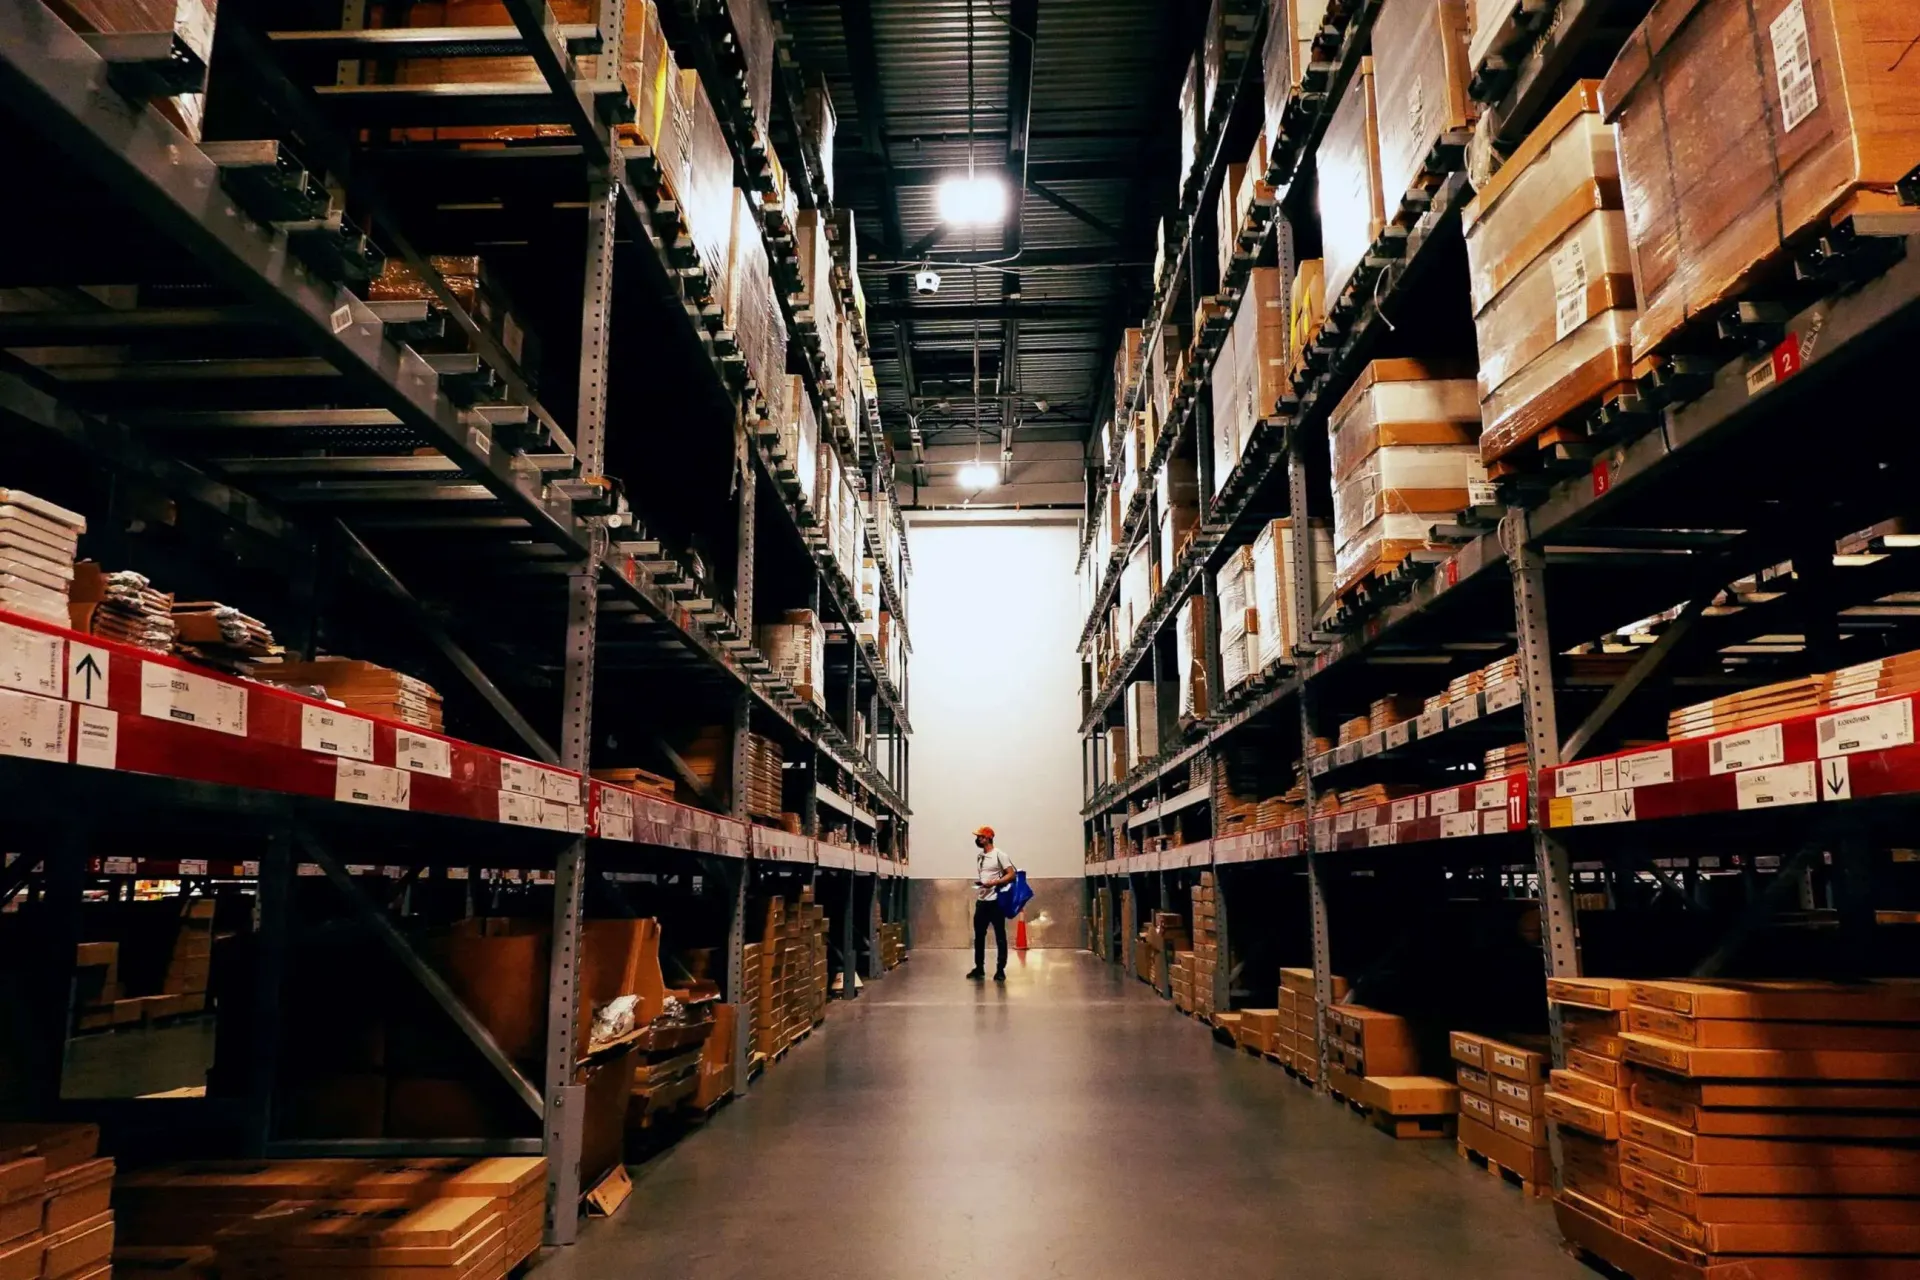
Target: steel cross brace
(375,919)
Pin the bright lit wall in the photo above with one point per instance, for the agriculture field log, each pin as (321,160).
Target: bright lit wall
(993,610)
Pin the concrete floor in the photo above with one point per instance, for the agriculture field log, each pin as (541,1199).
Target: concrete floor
(1068,1124)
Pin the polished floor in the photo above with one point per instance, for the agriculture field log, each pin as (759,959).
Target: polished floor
(1068,1124)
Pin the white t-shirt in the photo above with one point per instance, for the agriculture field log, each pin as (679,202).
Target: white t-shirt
(993,865)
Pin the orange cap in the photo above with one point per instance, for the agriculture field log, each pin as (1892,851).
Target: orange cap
(984,831)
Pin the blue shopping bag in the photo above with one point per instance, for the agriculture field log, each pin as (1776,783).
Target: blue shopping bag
(1015,897)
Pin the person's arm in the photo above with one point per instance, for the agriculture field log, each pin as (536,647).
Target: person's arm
(1006,874)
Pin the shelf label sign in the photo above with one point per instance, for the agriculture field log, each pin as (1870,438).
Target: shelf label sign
(1779,785)
(185,698)
(96,741)
(1459,824)
(1749,750)
(1403,811)
(30,660)
(417,753)
(357,782)
(1874,728)
(1379,835)
(1503,695)
(1836,779)
(1432,722)
(87,674)
(1578,779)
(1646,769)
(1491,795)
(1398,735)
(1444,802)
(33,728)
(1493,822)
(1342,823)
(335,733)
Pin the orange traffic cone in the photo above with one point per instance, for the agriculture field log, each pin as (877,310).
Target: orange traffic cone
(1020,934)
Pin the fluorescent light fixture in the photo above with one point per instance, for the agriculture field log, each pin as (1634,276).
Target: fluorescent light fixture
(973,200)
(978,475)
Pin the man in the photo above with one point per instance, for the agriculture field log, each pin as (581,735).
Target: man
(995,872)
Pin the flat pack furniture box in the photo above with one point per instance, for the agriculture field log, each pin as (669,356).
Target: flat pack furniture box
(1352,208)
(1420,64)
(1551,276)
(1743,126)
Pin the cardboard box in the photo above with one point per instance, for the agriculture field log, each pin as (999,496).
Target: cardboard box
(1595,1067)
(1384,1041)
(79,1248)
(78,1193)
(1352,207)
(1696,1148)
(1409,1095)
(1521,1095)
(1577,1113)
(1468,1049)
(1731,1033)
(1649,1169)
(1476,1106)
(1756,1064)
(1591,993)
(1675,1098)
(1596,1093)
(1473,1080)
(1742,125)
(1594,1031)
(1519,1125)
(1530,1162)
(1523,1058)
(1420,60)
(22,1259)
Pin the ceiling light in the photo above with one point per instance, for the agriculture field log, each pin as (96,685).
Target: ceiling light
(973,201)
(978,475)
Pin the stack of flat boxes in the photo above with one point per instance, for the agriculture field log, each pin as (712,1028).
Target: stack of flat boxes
(1502,1101)
(754,988)
(56,1214)
(1364,1042)
(1206,946)
(1260,1030)
(1299,1019)
(190,965)
(1585,1097)
(893,943)
(796,975)
(1768,1126)
(1180,978)
(767,1003)
(813,928)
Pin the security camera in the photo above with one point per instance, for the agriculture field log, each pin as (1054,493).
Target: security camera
(926,283)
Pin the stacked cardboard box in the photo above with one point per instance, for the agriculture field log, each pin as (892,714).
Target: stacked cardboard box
(1233,585)
(640,780)
(474,1216)
(38,541)
(1300,1020)
(1352,206)
(1363,1042)
(1402,444)
(1260,1030)
(365,687)
(56,1215)
(1286,54)
(764,777)
(1274,576)
(1500,762)
(1550,280)
(1584,1098)
(1147,705)
(1420,58)
(1502,1101)
(1206,946)
(1180,977)
(1890,677)
(1813,113)
(1762,1122)
(1391,710)
(1249,371)
(1190,659)
(1306,311)
(893,936)
(219,636)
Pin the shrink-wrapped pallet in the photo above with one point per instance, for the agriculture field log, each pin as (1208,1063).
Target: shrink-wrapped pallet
(1352,208)
(1272,586)
(1550,276)
(1190,657)
(1286,54)
(1420,66)
(1177,499)
(1399,403)
(1239,630)
(1744,125)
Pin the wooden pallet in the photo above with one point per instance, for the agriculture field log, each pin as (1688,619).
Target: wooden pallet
(1446,157)
(1409,1127)
(1512,1177)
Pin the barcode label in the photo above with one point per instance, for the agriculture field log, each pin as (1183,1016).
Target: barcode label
(1793,64)
(1569,267)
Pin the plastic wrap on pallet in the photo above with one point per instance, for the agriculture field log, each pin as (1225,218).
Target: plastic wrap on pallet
(1132,461)
(1393,498)
(1742,125)
(796,646)
(1239,621)
(1190,657)
(1192,121)
(800,436)
(748,307)
(1398,403)
(827,487)
(707,199)
(1271,592)
(1146,703)
(1420,64)
(815,262)
(1226,215)
(1585,272)
(847,544)
(1249,373)
(1352,211)
(753,24)
(1380,544)
(1564,170)
(1126,369)
(1226,388)
(1576,370)
(1135,594)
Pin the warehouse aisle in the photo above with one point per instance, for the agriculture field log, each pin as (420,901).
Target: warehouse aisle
(1068,1124)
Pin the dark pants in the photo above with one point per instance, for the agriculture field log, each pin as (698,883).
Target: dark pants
(985,913)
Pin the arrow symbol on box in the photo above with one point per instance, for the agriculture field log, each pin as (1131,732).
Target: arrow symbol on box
(88,668)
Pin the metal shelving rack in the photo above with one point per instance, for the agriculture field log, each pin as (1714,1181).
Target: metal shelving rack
(1566,555)
(383,465)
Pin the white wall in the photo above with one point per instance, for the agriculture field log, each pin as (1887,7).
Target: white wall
(993,610)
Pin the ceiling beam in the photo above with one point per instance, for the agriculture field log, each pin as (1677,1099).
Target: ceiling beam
(1023,20)
(1068,207)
